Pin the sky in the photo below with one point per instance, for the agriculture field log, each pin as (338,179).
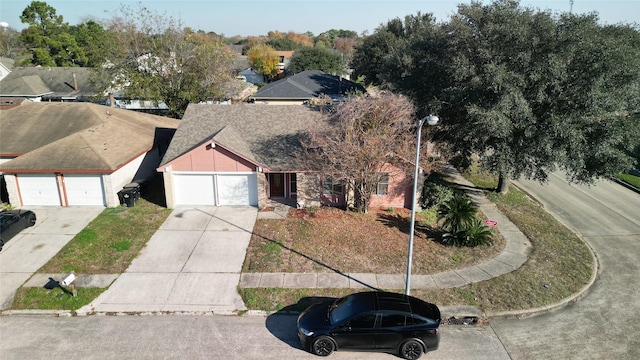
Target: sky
(245,18)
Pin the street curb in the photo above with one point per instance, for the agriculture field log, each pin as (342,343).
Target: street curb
(573,298)
(626,184)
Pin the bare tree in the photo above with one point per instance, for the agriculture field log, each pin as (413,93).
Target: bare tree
(365,134)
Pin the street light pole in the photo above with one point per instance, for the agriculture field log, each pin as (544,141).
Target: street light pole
(431,120)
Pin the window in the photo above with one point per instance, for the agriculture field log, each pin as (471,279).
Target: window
(383,184)
(366,321)
(412,320)
(331,187)
(392,320)
(293,184)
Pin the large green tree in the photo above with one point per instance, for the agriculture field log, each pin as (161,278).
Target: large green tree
(316,58)
(527,91)
(47,38)
(95,40)
(154,58)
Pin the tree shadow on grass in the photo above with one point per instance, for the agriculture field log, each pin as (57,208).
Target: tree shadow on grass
(294,251)
(401,223)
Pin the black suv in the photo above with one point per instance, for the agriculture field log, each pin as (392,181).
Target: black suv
(14,221)
(371,321)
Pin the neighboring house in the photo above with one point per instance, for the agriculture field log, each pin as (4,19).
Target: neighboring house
(306,86)
(245,72)
(39,84)
(66,154)
(6,65)
(247,154)
(284,57)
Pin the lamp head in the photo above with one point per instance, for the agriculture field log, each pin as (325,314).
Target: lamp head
(432,120)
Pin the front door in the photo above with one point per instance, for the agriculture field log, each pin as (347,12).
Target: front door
(276,185)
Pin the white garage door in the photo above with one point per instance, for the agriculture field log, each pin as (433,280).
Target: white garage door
(39,190)
(194,189)
(237,189)
(84,189)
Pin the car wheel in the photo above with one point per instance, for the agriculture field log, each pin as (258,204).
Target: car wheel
(322,346)
(1,244)
(411,350)
(32,220)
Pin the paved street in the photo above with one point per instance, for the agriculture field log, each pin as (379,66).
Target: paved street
(603,325)
(198,337)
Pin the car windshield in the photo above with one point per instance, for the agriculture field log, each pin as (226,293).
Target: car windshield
(348,306)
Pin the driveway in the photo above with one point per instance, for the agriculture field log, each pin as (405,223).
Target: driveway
(191,264)
(33,247)
(602,325)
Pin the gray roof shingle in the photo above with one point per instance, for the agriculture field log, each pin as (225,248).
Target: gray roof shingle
(268,135)
(54,82)
(307,85)
(76,137)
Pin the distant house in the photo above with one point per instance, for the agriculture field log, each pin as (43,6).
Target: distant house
(248,154)
(39,84)
(245,72)
(6,65)
(306,86)
(66,154)
(284,57)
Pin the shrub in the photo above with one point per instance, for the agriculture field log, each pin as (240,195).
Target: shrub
(435,191)
(457,213)
(462,227)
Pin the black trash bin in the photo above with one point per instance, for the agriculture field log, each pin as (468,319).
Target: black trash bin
(129,195)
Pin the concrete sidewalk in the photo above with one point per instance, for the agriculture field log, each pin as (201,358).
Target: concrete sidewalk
(191,264)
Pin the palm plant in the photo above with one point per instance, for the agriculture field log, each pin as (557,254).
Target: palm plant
(457,213)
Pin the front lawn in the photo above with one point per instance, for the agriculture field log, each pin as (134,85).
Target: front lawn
(110,242)
(328,239)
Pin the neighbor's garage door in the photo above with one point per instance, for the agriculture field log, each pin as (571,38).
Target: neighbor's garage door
(39,190)
(194,189)
(237,189)
(84,189)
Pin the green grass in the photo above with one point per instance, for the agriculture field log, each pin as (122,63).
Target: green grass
(110,242)
(57,298)
(630,179)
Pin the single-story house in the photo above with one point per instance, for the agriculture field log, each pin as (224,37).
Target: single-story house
(38,84)
(305,87)
(65,154)
(247,154)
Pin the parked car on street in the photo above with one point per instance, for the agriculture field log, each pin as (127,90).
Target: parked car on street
(371,321)
(14,221)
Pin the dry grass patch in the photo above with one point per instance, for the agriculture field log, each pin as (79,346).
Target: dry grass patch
(328,239)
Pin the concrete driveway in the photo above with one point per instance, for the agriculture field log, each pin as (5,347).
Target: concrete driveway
(191,264)
(33,247)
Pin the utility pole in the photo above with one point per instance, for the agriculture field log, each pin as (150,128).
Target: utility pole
(571,6)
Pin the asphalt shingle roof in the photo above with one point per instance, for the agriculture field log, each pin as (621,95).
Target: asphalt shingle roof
(307,85)
(267,135)
(75,136)
(55,82)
